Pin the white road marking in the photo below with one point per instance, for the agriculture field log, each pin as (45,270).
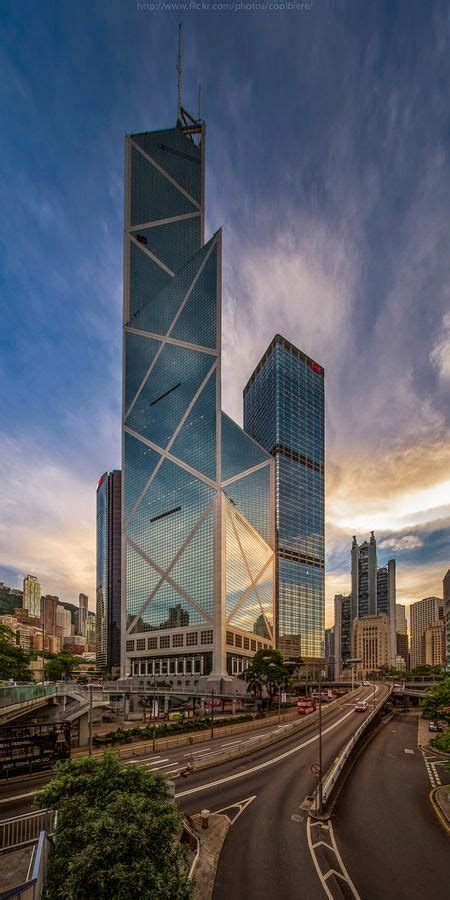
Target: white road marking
(142,759)
(19,796)
(231,743)
(263,765)
(167,766)
(196,752)
(340,872)
(240,804)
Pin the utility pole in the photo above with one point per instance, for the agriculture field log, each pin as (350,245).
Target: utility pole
(90,720)
(373,696)
(320,740)
(154,717)
(212,715)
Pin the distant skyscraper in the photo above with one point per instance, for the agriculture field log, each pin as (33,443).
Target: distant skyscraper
(284,412)
(401,629)
(32,595)
(109,560)
(342,632)
(329,652)
(373,588)
(197,519)
(371,644)
(446,595)
(82,613)
(424,614)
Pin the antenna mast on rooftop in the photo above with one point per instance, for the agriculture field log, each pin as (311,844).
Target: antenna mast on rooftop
(180,68)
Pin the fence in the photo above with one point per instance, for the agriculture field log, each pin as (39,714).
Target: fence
(22,830)
(32,888)
(333,776)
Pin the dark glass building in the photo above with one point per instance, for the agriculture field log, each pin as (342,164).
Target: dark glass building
(108,588)
(284,412)
(198,523)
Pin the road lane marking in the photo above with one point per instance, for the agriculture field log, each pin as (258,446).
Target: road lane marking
(340,872)
(19,796)
(263,765)
(240,805)
(167,766)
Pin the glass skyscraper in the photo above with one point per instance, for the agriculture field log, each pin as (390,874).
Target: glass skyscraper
(284,412)
(198,522)
(108,586)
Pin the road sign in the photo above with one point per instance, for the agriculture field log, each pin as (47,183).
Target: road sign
(315,768)
(283,697)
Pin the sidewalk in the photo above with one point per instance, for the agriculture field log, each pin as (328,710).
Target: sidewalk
(424,735)
(440,798)
(211,843)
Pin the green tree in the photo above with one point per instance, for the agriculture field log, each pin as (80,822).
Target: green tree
(115,833)
(59,665)
(436,704)
(13,660)
(268,671)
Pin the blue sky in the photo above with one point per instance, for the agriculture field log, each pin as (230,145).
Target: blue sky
(328,167)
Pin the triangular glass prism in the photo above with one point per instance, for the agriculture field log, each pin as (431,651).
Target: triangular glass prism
(159,312)
(249,617)
(251,496)
(153,196)
(147,279)
(265,591)
(237,575)
(239,450)
(168,609)
(139,463)
(168,512)
(139,354)
(194,571)
(174,243)
(177,155)
(197,323)
(173,382)
(196,442)
(141,581)
(254,548)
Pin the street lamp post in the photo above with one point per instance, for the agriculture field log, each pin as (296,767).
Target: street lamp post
(154,717)
(212,715)
(90,720)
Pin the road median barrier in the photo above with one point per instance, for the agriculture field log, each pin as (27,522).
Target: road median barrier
(265,740)
(335,773)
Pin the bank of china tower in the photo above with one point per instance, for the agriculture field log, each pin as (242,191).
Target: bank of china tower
(198,512)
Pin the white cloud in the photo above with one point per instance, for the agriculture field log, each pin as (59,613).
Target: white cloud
(406,542)
(440,354)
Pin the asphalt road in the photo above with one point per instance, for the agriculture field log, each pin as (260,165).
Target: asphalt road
(386,830)
(17,795)
(266,852)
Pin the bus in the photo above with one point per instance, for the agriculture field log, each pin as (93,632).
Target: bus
(31,748)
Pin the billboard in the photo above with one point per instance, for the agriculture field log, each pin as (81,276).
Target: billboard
(30,748)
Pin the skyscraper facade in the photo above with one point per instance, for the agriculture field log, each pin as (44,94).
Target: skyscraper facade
(342,632)
(374,588)
(82,613)
(424,614)
(446,596)
(197,517)
(32,595)
(284,412)
(109,562)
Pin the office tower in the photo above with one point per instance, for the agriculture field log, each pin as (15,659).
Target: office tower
(342,632)
(371,643)
(446,596)
(63,622)
(49,622)
(434,644)
(284,412)
(32,595)
(197,524)
(329,652)
(401,629)
(373,587)
(109,564)
(423,614)
(82,614)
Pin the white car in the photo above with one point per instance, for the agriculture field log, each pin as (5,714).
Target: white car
(367,684)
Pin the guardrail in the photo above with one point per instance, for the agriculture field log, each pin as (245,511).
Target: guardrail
(32,888)
(19,831)
(333,776)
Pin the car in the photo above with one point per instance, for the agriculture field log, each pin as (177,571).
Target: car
(367,684)
(361,706)
(435,726)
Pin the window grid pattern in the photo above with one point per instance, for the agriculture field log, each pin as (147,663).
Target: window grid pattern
(284,412)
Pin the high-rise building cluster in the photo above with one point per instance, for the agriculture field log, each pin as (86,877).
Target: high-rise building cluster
(222,542)
(42,622)
(370,630)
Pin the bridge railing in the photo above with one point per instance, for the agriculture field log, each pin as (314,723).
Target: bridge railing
(10,696)
(19,831)
(335,773)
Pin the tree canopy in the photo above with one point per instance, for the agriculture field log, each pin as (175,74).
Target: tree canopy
(267,670)
(13,660)
(59,665)
(436,705)
(115,833)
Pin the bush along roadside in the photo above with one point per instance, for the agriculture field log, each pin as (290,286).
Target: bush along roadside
(165,729)
(442,742)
